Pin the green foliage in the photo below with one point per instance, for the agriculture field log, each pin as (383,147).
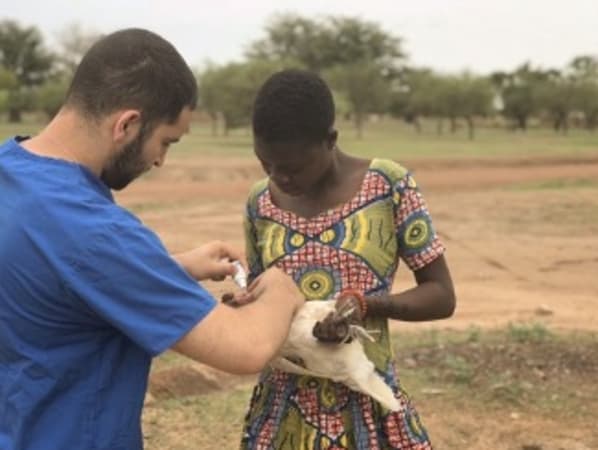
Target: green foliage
(528,333)
(8,79)
(461,371)
(364,64)
(365,87)
(50,96)
(320,44)
(74,41)
(426,93)
(22,55)
(228,91)
(583,72)
(521,93)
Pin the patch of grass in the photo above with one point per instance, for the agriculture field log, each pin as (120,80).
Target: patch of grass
(524,365)
(211,421)
(461,371)
(528,332)
(388,139)
(525,369)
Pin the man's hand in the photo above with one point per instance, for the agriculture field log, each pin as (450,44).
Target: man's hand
(238,298)
(211,261)
(243,340)
(272,280)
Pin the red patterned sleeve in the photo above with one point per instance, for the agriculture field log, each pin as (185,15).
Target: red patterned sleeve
(419,244)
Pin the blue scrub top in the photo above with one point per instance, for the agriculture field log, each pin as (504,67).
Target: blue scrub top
(88,295)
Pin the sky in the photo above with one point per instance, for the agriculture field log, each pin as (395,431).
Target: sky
(447,35)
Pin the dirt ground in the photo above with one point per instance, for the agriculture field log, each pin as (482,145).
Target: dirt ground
(516,243)
(522,240)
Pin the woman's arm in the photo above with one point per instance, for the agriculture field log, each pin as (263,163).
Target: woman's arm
(433,297)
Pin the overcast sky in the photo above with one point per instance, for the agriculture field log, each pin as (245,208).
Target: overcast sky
(448,35)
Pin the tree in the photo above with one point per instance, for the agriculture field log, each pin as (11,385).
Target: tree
(50,95)
(416,96)
(359,58)
(74,41)
(292,37)
(428,94)
(556,94)
(229,91)
(365,87)
(8,82)
(469,97)
(583,71)
(210,87)
(585,99)
(352,39)
(22,54)
(520,93)
(322,44)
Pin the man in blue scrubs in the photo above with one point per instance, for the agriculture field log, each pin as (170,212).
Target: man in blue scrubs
(88,294)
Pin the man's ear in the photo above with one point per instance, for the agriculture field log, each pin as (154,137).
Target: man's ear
(332,138)
(127,125)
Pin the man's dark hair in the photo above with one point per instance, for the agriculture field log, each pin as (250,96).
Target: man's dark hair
(293,105)
(137,69)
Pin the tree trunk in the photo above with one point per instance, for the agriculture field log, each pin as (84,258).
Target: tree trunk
(224,126)
(214,120)
(591,121)
(14,115)
(439,127)
(561,124)
(453,125)
(522,122)
(358,120)
(417,125)
(470,127)
(556,124)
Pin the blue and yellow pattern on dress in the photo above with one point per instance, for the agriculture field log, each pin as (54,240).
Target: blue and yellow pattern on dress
(274,241)
(369,234)
(415,233)
(318,283)
(354,246)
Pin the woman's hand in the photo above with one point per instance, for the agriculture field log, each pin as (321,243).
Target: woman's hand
(349,309)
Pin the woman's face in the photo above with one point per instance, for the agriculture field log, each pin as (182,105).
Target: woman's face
(295,168)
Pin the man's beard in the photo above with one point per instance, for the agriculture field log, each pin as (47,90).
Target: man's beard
(127,165)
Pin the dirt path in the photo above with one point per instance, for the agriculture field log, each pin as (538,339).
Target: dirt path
(516,253)
(519,249)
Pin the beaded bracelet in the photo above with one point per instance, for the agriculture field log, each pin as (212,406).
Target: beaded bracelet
(363,306)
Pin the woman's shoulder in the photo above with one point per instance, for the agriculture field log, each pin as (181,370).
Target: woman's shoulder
(258,189)
(390,169)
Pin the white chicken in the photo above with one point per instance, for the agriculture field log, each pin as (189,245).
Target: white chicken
(346,362)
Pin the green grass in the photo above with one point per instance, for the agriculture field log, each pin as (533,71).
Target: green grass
(392,139)
(524,367)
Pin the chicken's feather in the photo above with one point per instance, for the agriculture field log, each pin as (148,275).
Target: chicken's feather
(346,363)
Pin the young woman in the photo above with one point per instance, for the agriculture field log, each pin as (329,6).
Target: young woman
(335,222)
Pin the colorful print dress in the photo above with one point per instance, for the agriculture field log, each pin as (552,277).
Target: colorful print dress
(356,245)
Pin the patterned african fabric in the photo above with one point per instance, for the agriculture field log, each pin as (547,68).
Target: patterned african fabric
(357,245)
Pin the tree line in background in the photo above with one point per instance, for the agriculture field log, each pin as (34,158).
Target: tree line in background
(366,67)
